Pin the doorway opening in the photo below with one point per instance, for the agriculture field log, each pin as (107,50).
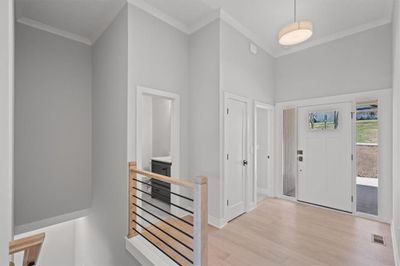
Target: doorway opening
(367,157)
(263,128)
(157,147)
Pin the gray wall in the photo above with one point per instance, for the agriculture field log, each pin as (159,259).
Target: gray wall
(396,118)
(158,59)
(204,58)
(356,63)
(246,74)
(161,127)
(242,72)
(101,236)
(6,106)
(52,125)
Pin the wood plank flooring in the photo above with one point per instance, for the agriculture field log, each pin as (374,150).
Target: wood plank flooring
(280,232)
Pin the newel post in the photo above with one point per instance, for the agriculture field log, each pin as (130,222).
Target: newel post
(200,221)
(132,200)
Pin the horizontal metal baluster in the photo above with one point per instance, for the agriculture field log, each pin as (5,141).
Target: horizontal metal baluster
(177,206)
(173,215)
(171,247)
(159,218)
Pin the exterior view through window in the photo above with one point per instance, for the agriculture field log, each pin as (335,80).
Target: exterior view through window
(367,150)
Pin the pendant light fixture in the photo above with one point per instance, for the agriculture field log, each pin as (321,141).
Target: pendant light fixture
(296,32)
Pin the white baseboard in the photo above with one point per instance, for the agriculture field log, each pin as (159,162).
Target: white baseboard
(251,207)
(50,221)
(395,244)
(216,222)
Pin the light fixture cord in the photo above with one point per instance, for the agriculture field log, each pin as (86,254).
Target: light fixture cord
(295,11)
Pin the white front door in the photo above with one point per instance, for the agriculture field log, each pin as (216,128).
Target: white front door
(325,156)
(235,146)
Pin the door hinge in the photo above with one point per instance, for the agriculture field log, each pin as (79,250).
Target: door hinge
(227,202)
(352,198)
(352,157)
(227,156)
(352,115)
(227,111)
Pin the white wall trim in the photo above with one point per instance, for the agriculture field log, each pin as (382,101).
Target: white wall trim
(225,16)
(330,99)
(11,81)
(136,127)
(335,36)
(220,13)
(160,15)
(205,21)
(216,222)
(44,27)
(396,254)
(51,221)
(175,127)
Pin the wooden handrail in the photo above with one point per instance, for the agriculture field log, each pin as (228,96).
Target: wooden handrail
(30,245)
(199,186)
(171,180)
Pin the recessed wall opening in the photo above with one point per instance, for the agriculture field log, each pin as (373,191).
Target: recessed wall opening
(157,149)
(367,157)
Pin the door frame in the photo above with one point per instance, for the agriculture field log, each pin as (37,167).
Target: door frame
(385,135)
(270,180)
(135,115)
(248,205)
(7,130)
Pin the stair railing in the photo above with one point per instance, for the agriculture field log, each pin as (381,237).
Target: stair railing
(181,234)
(31,246)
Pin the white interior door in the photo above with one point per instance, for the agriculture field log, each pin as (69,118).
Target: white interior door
(262,150)
(235,147)
(325,172)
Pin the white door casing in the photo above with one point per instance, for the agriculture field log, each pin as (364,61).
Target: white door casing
(263,149)
(325,174)
(235,156)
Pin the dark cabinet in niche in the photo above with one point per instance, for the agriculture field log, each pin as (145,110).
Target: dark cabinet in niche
(161,190)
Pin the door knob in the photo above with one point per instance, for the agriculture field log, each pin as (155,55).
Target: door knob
(244,162)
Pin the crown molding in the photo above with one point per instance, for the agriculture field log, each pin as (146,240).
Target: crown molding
(335,36)
(221,14)
(44,27)
(217,14)
(160,15)
(205,21)
(245,31)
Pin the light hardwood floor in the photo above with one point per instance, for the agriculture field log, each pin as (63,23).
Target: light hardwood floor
(280,232)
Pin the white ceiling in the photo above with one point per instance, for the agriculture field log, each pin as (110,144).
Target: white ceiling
(261,19)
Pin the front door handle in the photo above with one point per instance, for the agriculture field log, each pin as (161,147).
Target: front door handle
(244,163)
